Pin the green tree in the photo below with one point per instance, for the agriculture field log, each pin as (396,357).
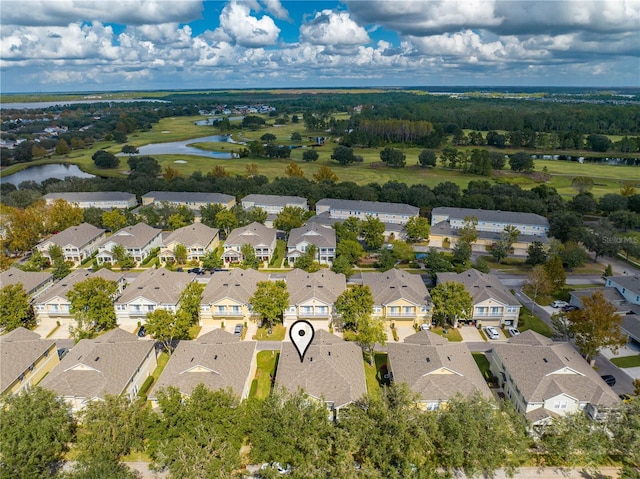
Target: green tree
(371,331)
(393,157)
(555,273)
(250,259)
(436,262)
(451,301)
(481,265)
(461,252)
(469,231)
(582,184)
(114,220)
(105,159)
(537,284)
(129,150)
(343,155)
(427,158)
(62,148)
(226,221)
(537,254)
(36,431)
(15,308)
(176,221)
(290,217)
(573,255)
(208,214)
(499,251)
(625,426)
(91,302)
(325,173)
(561,327)
(211,260)
(122,256)
(268,137)
(521,161)
(373,232)
(61,215)
(354,303)
(100,469)
(189,302)
(294,171)
(349,229)
(386,260)
(180,253)
(310,155)
(342,265)
(296,137)
(60,269)
(166,327)
(601,240)
(417,229)
(270,300)
(307,261)
(596,326)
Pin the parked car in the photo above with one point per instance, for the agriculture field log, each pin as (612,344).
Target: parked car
(491,332)
(196,270)
(559,304)
(142,332)
(513,331)
(179,270)
(569,307)
(237,331)
(425,326)
(609,379)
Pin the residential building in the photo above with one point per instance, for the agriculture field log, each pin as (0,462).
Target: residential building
(25,359)
(192,200)
(105,200)
(493,303)
(332,371)
(393,213)
(218,360)
(138,240)
(446,221)
(116,363)
(313,295)
(258,236)
(54,304)
(322,237)
(152,289)
(627,285)
(273,204)
(435,369)
(545,379)
(398,296)
(226,296)
(33,283)
(197,238)
(77,242)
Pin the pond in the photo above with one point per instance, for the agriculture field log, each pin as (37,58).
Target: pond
(183,148)
(61,103)
(591,159)
(40,173)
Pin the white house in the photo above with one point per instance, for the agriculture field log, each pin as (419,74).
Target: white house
(138,240)
(77,242)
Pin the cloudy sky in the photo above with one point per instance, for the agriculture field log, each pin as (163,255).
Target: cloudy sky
(66,45)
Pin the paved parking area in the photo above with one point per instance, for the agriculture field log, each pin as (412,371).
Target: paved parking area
(470,334)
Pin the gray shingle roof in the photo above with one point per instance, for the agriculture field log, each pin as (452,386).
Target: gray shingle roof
(435,369)
(275,200)
(630,282)
(91,196)
(66,284)
(188,196)
(212,360)
(19,349)
(631,325)
(394,285)
(237,284)
(444,229)
(193,234)
(96,367)
(481,286)
(332,369)
(76,235)
(494,216)
(543,371)
(136,236)
(324,285)
(369,207)
(29,280)
(321,236)
(157,285)
(255,234)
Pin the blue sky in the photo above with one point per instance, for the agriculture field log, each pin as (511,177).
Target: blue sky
(97,45)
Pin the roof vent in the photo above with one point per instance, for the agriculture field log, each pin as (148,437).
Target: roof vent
(225,284)
(329,353)
(311,359)
(449,358)
(157,287)
(191,360)
(97,357)
(545,360)
(428,360)
(215,357)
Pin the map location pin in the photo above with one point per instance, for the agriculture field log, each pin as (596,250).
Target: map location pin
(301,334)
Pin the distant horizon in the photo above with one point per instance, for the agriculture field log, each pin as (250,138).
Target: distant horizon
(59,46)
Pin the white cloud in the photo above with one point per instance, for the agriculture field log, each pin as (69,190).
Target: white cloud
(333,28)
(275,8)
(241,27)
(129,12)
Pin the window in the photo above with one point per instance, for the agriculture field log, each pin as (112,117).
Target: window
(512,309)
(433,406)
(560,404)
(220,309)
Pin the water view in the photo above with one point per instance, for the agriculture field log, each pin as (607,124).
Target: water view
(40,173)
(183,148)
(49,104)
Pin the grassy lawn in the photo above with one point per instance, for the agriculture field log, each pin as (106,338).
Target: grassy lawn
(278,254)
(267,362)
(163,359)
(453,335)
(627,361)
(483,364)
(374,373)
(277,335)
(194,331)
(529,321)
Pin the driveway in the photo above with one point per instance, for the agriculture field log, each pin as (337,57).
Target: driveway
(470,334)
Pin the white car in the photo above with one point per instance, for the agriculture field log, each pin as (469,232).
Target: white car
(492,332)
(513,331)
(559,304)
(425,326)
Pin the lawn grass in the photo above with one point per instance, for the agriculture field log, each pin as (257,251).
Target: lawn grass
(453,335)
(163,359)
(627,361)
(528,321)
(278,333)
(194,331)
(278,254)
(267,362)
(374,373)
(483,364)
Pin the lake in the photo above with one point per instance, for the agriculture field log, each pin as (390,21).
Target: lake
(40,173)
(48,104)
(183,148)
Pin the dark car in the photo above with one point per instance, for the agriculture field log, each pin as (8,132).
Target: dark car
(142,332)
(238,330)
(569,308)
(196,271)
(609,379)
